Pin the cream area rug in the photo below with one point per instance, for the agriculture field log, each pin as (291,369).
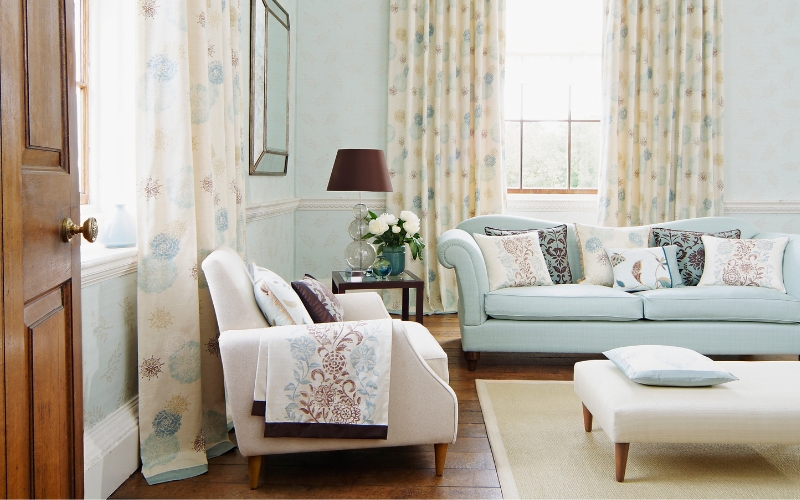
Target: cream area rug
(541,451)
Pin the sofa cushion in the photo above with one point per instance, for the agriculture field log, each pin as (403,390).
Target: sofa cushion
(553,241)
(691,252)
(720,303)
(563,302)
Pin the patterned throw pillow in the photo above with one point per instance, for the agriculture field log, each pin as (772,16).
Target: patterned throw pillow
(592,241)
(638,269)
(321,304)
(553,242)
(734,262)
(513,261)
(691,254)
(279,303)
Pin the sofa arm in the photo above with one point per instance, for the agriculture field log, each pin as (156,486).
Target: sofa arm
(457,249)
(363,306)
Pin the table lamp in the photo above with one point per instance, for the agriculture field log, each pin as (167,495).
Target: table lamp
(360,170)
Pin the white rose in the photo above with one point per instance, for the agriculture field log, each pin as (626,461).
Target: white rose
(395,229)
(378,226)
(390,219)
(409,216)
(411,227)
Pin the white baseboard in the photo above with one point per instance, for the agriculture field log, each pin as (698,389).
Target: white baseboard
(111,451)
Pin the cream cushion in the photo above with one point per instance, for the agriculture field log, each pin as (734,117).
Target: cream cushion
(744,262)
(762,407)
(592,241)
(514,260)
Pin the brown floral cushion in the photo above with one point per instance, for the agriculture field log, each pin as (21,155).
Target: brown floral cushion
(321,304)
(553,242)
(691,252)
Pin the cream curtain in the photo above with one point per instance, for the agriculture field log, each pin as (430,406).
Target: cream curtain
(190,190)
(445,131)
(662,156)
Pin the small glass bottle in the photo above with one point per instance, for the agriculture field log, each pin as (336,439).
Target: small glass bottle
(381,268)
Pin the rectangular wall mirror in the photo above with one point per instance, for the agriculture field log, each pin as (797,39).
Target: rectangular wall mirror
(269,88)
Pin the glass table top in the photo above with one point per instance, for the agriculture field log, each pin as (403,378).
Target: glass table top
(347,277)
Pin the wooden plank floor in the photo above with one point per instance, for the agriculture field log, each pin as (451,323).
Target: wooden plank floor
(405,472)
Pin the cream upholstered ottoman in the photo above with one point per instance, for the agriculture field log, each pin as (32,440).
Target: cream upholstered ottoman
(762,407)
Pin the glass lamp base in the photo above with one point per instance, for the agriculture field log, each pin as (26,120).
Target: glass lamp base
(359,255)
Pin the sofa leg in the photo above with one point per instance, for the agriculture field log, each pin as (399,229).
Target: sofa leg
(440,455)
(472,359)
(254,470)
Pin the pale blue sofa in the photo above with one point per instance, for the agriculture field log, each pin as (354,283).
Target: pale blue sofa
(590,319)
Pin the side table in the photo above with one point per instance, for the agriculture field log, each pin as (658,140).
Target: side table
(342,281)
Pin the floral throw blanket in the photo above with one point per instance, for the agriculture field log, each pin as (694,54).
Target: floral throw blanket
(327,380)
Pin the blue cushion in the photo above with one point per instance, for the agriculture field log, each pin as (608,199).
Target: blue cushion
(721,303)
(563,302)
(668,366)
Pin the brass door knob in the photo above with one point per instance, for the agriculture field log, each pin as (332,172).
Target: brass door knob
(70,229)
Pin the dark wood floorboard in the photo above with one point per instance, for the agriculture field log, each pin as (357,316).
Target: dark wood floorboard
(405,472)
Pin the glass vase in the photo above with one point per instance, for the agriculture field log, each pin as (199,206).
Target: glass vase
(381,268)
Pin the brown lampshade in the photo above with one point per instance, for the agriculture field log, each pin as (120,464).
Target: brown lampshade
(360,170)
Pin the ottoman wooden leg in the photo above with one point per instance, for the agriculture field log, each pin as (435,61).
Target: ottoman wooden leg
(621,456)
(587,419)
(254,470)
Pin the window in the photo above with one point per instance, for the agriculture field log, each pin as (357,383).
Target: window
(81,77)
(552,96)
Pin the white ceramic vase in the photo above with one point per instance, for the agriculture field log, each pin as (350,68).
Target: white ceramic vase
(119,229)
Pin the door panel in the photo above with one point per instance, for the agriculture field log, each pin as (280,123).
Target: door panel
(43,451)
(48,324)
(44,40)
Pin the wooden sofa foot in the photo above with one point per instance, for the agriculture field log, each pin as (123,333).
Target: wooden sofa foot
(472,359)
(587,419)
(440,455)
(621,459)
(254,470)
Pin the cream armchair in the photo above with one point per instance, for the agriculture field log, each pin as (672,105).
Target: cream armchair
(423,409)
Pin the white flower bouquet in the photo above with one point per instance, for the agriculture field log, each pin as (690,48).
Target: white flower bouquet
(390,231)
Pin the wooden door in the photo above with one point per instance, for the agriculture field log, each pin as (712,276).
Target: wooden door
(41,390)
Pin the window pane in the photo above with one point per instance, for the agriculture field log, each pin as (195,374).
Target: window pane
(585,154)
(586,102)
(81,94)
(513,102)
(544,155)
(545,102)
(512,150)
(78,27)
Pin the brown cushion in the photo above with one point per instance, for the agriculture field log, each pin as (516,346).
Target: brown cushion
(321,304)
(691,253)
(553,242)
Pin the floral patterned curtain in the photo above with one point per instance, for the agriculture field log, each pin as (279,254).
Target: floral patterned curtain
(190,190)
(662,154)
(445,131)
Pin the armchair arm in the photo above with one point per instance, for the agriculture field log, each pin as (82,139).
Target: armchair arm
(363,305)
(457,249)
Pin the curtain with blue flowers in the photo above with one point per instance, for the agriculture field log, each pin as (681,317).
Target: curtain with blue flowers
(662,154)
(445,130)
(190,130)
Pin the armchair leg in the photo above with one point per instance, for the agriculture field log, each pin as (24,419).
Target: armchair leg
(440,454)
(472,359)
(254,470)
